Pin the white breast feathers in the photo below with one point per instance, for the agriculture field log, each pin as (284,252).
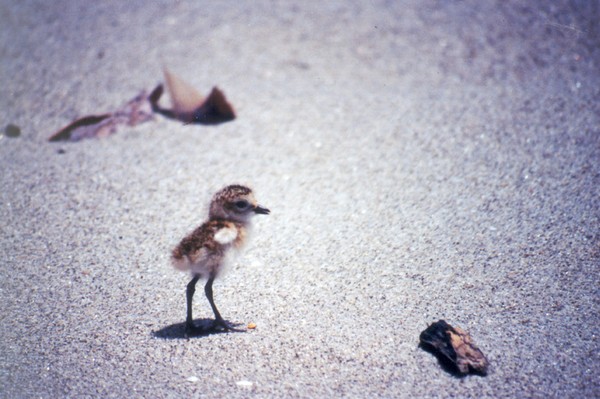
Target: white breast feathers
(226,235)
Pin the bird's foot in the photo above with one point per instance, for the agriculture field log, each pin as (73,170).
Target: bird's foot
(207,327)
(193,330)
(221,324)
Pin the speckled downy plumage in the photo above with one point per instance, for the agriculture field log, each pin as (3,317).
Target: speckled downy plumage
(204,251)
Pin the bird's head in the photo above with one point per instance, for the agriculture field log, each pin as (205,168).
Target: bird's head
(237,203)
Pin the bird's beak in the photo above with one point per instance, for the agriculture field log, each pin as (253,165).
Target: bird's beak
(260,210)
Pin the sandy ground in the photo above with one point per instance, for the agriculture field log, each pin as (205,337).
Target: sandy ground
(422,160)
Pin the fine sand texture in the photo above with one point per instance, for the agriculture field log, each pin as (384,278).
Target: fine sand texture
(422,160)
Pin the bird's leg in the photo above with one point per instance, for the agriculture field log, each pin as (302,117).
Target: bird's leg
(189,293)
(219,321)
(209,295)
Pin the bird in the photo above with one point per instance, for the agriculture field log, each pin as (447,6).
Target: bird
(205,250)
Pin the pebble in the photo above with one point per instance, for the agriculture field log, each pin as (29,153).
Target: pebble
(12,130)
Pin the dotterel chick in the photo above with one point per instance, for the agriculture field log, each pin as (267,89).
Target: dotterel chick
(203,251)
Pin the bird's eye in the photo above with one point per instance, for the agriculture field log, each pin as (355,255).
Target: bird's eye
(243,204)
